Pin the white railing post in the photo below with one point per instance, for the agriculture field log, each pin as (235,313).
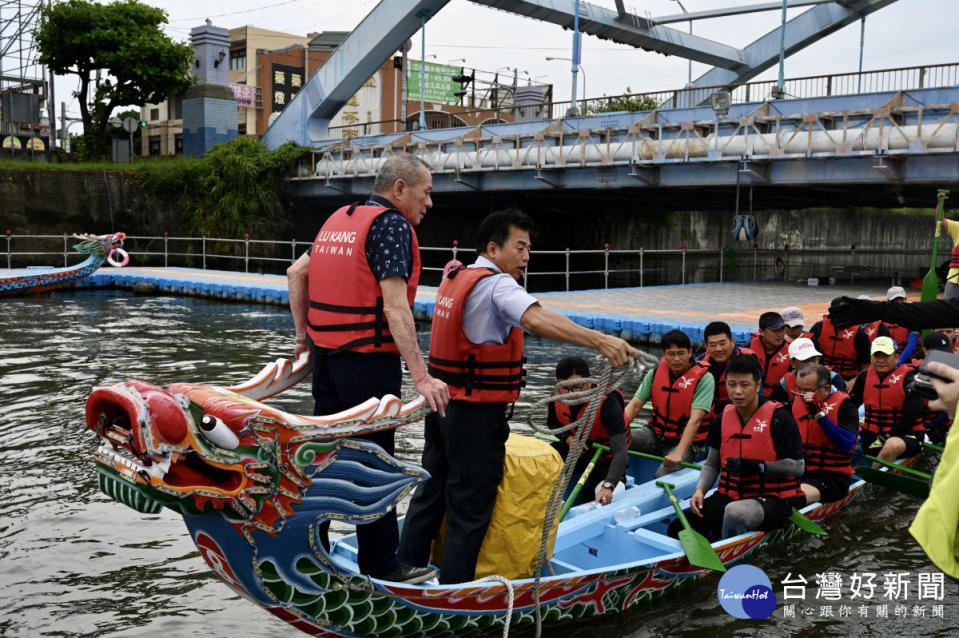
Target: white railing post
(641,272)
(567,269)
(684,264)
(65,237)
(204,251)
(9,254)
(246,252)
(166,247)
(606,266)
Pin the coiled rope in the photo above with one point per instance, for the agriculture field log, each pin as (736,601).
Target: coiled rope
(609,379)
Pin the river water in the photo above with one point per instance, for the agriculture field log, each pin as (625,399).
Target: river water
(75,563)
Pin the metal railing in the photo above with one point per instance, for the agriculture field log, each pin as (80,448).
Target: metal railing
(881,80)
(551,270)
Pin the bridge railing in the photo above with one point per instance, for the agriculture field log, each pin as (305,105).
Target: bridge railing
(880,80)
(550,270)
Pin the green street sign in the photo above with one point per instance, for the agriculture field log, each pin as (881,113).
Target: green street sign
(438,86)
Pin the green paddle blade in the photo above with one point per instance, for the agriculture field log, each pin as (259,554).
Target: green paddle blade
(806,524)
(699,552)
(896,466)
(930,283)
(904,484)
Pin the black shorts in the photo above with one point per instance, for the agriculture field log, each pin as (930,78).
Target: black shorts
(776,513)
(913,446)
(832,486)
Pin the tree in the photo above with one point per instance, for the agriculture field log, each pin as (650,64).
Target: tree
(122,39)
(621,103)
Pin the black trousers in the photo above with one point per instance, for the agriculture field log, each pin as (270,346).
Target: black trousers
(341,381)
(463,453)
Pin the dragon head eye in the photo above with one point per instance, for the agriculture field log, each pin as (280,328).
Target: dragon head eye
(217,432)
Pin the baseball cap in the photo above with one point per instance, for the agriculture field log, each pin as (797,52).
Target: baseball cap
(771,320)
(896,292)
(792,316)
(803,349)
(936,341)
(884,345)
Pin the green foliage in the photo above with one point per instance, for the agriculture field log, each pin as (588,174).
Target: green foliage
(123,39)
(621,103)
(231,191)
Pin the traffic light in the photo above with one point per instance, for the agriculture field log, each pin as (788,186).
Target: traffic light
(143,124)
(463,79)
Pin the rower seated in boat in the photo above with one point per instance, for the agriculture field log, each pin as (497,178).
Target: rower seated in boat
(608,429)
(892,428)
(682,391)
(756,450)
(828,421)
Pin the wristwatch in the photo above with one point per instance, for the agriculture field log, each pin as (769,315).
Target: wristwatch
(608,485)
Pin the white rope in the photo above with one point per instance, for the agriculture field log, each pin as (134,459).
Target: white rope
(609,379)
(509,604)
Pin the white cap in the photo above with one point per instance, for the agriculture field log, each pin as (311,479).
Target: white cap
(896,292)
(803,349)
(866,297)
(792,317)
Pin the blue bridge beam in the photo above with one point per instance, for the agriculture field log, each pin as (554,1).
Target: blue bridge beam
(306,119)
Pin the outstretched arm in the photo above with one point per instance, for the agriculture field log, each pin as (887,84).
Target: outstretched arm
(551,325)
(297,283)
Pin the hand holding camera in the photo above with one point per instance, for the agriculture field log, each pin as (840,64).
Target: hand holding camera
(938,373)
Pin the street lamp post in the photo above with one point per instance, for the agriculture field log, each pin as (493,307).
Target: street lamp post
(582,102)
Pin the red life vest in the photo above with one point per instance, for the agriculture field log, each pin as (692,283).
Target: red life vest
(821,453)
(774,366)
(346,302)
(752,441)
(872,330)
(927,416)
(954,257)
(899,334)
(839,349)
(672,403)
(955,346)
(883,400)
(479,373)
(599,433)
(720,395)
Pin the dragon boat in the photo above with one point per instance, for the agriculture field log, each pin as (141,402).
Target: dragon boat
(253,483)
(100,248)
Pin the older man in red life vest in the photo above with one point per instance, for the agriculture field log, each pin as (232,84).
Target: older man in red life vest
(772,349)
(892,428)
(351,296)
(609,428)
(828,423)
(477,348)
(682,391)
(756,450)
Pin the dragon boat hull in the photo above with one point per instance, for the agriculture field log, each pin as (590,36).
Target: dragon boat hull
(253,485)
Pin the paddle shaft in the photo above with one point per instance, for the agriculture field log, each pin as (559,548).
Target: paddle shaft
(579,485)
(930,283)
(896,466)
(651,457)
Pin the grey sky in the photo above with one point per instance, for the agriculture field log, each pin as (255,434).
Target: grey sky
(909,32)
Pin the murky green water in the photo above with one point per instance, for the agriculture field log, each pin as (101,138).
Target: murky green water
(75,563)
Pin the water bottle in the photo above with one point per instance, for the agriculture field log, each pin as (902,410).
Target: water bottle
(626,514)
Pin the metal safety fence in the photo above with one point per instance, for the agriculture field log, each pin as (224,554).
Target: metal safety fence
(549,270)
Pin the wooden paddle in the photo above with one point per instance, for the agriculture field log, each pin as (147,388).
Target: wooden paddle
(930,283)
(797,517)
(697,547)
(904,484)
(579,484)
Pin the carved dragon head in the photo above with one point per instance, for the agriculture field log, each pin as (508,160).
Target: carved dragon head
(99,245)
(206,450)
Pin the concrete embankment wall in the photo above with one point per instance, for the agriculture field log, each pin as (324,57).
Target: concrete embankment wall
(54,202)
